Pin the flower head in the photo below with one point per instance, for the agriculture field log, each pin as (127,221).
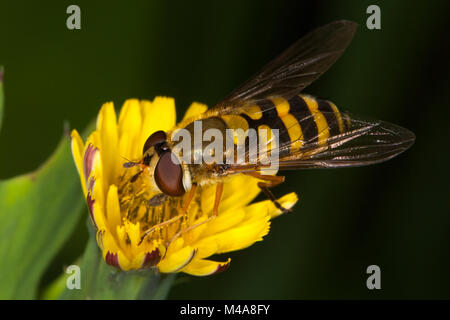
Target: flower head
(119,205)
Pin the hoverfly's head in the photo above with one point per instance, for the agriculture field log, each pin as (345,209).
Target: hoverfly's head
(164,165)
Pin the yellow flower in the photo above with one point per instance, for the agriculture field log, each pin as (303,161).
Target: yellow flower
(119,208)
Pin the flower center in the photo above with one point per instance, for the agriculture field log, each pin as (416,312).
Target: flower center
(136,207)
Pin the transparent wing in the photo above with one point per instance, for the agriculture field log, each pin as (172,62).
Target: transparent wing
(297,67)
(364,142)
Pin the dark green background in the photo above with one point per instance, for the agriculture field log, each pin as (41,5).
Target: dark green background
(395,215)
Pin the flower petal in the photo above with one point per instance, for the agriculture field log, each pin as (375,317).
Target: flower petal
(151,259)
(252,228)
(157,115)
(97,213)
(88,160)
(90,203)
(201,267)
(287,202)
(117,260)
(233,195)
(130,122)
(113,208)
(194,110)
(112,259)
(177,260)
(107,127)
(224,221)
(111,248)
(77,146)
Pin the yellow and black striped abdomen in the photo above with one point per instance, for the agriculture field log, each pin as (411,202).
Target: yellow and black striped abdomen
(316,119)
(301,120)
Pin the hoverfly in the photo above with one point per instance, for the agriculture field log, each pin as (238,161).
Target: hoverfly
(313,133)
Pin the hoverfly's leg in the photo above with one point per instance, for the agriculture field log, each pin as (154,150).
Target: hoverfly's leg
(174,219)
(219,191)
(162,224)
(265,188)
(270,181)
(189,198)
(215,213)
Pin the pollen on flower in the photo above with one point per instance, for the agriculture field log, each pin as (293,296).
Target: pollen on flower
(135,207)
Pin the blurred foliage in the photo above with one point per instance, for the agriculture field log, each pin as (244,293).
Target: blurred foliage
(36,218)
(394,214)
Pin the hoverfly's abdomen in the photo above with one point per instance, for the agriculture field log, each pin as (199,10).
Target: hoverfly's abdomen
(309,121)
(301,120)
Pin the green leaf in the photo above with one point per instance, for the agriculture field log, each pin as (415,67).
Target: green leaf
(100,281)
(53,291)
(38,212)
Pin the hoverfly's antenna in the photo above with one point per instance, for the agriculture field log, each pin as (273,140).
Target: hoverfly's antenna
(129,163)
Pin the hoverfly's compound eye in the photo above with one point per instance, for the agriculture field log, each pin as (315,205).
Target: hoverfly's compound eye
(157,138)
(169,175)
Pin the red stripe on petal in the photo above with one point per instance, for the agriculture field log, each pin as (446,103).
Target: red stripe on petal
(222,267)
(189,260)
(100,234)
(90,202)
(112,259)
(88,160)
(151,259)
(91,184)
